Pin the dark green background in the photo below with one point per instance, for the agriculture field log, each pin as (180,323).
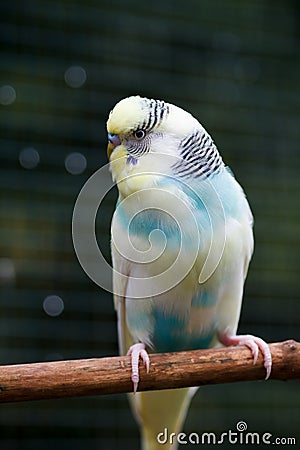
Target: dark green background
(236,66)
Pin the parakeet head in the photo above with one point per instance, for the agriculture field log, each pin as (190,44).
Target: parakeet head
(146,134)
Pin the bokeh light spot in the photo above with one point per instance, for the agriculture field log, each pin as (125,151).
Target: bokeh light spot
(75,163)
(29,158)
(7,271)
(7,95)
(53,305)
(75,76)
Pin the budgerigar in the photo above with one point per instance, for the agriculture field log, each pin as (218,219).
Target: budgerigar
(181,245)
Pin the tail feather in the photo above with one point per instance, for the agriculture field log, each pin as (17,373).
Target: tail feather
(160,413)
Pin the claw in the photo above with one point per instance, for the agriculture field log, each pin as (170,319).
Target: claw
(136,352)
(255,344)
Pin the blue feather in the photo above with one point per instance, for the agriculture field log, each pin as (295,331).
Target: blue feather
(204,299)
(171,334)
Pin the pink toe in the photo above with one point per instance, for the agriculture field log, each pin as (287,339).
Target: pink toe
(254,344)
(136,352)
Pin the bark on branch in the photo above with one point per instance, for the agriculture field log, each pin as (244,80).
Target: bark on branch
(76,378)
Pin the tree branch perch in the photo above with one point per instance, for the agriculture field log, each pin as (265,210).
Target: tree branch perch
(76,378)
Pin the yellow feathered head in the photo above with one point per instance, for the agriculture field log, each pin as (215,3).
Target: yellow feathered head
(142,130)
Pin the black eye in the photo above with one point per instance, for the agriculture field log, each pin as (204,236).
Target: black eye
(139,134)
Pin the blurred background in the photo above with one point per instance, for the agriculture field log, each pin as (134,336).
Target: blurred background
(233,64)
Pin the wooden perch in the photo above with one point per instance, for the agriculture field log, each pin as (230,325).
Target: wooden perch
(75,378)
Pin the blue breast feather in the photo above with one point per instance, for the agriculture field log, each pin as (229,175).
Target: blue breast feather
(170,334)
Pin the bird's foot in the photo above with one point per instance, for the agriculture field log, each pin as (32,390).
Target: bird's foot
(137,351)
(254,343)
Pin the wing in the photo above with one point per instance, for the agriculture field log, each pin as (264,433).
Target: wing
(237,255)
(121,267)
(231,222)
(239,248)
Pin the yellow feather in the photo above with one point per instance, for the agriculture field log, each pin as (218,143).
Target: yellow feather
(125,116)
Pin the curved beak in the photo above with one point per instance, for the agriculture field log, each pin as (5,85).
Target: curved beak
(113,142)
